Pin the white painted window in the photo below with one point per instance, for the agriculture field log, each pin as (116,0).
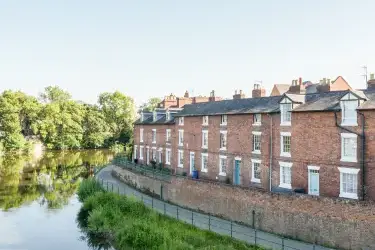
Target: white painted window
(180,137)
(313,172)
(349,182)
(168,116)
(168,156)
(285,112)
(154,135)
(155,116)
(141,152)
(285,143)
(205,139)
(255,170)
(141,135)
(349,104)
(223,140)
(257,119)
(257,141)
(135,152)
(224,119)
(205,120)
(348,147)
(222,165)
(180,158)
(160,151)
(168,135)
(204,165)
(153,153)
(181,121)
(285,175)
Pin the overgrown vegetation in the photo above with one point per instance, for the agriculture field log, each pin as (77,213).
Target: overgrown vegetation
(62,123)
(108,219)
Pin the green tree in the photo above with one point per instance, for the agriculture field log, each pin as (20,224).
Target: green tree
(54,94)
(151,104)
(96,129)
(119,112)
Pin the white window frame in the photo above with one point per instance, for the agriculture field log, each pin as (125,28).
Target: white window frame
(256,133)
(205,120)
(180,153)
(135,152)
(348,158)
(181,121)
(344,120)
(168,116)
(153,153)
(160,157)
(224,133)
(202,169)
(223,120)
(204,133)
(348,171)
(167,134)
(154,116)
(258,122)
(282,153)
(141,151)
(154,138)
(168,159)
(253,161)
(141,134)
(221,172)
(282,111)
(180,137)
(285,165)
(309,168)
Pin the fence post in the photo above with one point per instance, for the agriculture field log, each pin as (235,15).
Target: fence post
(209,222)
(231,228)
(314,246)
(177,213)
(165,209)
(192,218)
(255,238)
(118,189)
(142,198)
(152,202)
(112,186)
(282,243)
(253,219)
(107,186)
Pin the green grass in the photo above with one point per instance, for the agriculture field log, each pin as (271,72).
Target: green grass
(125,223)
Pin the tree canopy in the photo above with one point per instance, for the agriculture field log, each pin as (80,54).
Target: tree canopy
(62,123)
(151,104)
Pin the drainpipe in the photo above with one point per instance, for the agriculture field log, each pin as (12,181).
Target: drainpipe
(363,137)
(271,133)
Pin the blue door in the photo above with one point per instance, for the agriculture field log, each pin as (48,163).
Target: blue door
(237,172)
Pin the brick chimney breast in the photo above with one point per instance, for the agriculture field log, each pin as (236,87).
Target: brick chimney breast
(258,91)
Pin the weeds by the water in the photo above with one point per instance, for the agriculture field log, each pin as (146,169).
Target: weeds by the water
(126,223)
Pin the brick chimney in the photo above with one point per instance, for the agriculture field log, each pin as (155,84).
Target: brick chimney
(238,95)
(186,94)
(371,82)
(213,97)
(295,88)
(258,91)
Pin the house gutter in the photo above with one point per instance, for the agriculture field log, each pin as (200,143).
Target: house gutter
(270,174)
(363,137)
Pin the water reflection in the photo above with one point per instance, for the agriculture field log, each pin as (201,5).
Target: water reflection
(50,180)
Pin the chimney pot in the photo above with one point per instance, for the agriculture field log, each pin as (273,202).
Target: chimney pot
(372,76)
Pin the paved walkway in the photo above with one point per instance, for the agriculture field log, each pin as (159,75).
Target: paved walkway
(204,221)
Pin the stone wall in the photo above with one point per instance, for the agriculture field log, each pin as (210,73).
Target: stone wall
(325,221)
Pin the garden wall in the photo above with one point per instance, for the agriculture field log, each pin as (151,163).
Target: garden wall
(324,221)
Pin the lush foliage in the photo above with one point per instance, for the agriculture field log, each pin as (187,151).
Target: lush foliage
(62,123)
(109,219)
(151,104)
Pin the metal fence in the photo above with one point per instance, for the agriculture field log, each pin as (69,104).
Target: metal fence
(208,222)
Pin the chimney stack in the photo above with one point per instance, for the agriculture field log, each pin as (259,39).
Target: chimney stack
(371,82)
(238,95)
(258,91)
(300,81)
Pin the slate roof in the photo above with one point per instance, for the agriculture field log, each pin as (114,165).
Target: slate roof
(268,104)
(161,119)
(326,101)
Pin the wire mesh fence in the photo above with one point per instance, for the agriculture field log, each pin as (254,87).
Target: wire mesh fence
(212,223)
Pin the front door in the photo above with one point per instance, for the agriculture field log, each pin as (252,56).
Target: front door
(148,156)
(314,181)
(237,166)
(192,162)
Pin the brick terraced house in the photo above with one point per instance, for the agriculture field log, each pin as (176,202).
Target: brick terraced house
(320,143)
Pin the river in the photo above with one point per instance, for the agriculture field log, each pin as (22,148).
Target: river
(38,202)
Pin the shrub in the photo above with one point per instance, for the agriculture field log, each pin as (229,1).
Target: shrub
(227,180)
(136,161)
(184,174)
(87,188)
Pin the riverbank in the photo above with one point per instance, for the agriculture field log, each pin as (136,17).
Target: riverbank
(126,222)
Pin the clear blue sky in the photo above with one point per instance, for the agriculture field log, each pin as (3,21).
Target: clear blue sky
(151,48)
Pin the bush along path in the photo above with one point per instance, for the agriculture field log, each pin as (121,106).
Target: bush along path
(111,220)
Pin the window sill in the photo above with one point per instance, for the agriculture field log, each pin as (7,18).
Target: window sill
(222,174)
(223,149)
(256,152)
(204,147)
(257,124)
(286,124)
(181,166)
(284,185)
(223,124)
(204,170)
(141,159)
(168,143)
(285,154)
(141,141)
(348,124)
(349,196)
(167,163)
(313,194)
(180,144)
(255,180)
(154,142)
(204,124)
(348,159)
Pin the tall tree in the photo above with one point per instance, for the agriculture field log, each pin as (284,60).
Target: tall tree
(96,129)
(119,111)
(151,104)
(54,94)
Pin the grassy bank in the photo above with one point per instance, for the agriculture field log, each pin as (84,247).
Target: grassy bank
(125,223)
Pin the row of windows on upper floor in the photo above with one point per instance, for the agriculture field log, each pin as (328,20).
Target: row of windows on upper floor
(348,176)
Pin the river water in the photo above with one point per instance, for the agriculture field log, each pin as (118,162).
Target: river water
(38,202)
